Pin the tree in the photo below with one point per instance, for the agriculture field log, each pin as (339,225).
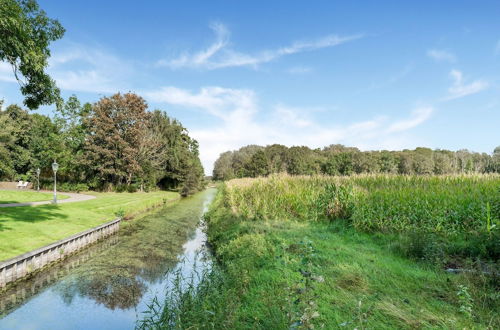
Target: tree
(302,161)
(25,35)
(388,162)
(276,155)
(115,128)
(223,169)
(257,165)
(6,139)
(495,160)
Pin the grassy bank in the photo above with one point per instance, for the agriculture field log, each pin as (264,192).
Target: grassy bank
(297,252)
(23,229)
(19,196)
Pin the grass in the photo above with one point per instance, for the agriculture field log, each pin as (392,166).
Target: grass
(287,259)
(18,196)
(23,229)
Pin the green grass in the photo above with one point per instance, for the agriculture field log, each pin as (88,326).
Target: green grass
(287,259)
(23,229)
(19,196)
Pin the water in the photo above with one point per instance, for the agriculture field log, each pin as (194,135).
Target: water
(110,284)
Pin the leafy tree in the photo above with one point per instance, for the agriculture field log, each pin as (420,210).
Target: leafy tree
(223,169)
(115,127)
(388,162)
(6,139)
(258,164)
(495,160)
(302,161)
(25,35)
(276,155)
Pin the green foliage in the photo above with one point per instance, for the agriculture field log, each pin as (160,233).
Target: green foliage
(73,187)
(26,33)
(103,146)
(276,273)
(465,299)
(438,218)
(255,161)
(338,201)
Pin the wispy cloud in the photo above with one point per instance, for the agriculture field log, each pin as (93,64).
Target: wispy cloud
(441,55)
(220,55)
(242,121)
(497,48)
(89,69)
(292,116)
(460,89)
(418,116)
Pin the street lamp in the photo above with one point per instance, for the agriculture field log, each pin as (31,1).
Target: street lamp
(55,167)
(38,179)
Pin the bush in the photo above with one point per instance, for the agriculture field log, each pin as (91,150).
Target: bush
(119,188)
(73,187)
(132,188)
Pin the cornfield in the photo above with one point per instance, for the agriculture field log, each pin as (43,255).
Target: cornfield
(395,203)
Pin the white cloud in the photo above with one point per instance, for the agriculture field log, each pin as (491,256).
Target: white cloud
(300,70)
(459,89)
(441,55)
(291,116)
(223,103)
(220,55)
(82,69)
(86,69)
(497,48)
(243,122)
(419,115)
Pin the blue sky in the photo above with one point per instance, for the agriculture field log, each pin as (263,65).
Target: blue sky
(370,74)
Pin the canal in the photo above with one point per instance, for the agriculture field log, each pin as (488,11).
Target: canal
(110,284)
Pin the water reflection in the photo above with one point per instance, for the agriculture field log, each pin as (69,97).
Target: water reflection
(115,279)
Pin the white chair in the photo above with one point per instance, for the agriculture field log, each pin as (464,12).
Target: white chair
(25,185)
(20,184)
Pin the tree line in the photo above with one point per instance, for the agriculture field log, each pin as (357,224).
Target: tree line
(337,159)
(114,144)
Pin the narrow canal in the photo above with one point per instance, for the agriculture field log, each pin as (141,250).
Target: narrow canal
(110,284)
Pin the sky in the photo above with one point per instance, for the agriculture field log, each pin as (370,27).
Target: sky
(370,74)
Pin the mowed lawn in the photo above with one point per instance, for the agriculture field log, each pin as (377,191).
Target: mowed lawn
(20,196)
(25,228)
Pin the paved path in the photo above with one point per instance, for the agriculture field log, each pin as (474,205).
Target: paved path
(72,198)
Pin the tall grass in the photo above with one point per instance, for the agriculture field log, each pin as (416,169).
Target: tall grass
(437,216)
(440,204)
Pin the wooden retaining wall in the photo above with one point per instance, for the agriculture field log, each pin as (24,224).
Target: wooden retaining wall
(20,266)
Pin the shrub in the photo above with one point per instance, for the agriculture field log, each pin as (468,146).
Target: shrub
(132,188)
(119,188)
(73,187)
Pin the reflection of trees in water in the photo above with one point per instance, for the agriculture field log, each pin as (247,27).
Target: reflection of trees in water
(145,253)
(111,290)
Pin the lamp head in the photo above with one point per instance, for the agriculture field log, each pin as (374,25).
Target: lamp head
(55,166)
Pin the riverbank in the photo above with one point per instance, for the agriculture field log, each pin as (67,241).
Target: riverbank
(285,262)
(23,229)
(116,279)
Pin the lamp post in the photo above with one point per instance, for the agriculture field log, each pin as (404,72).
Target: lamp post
(38,179)
(55,167)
